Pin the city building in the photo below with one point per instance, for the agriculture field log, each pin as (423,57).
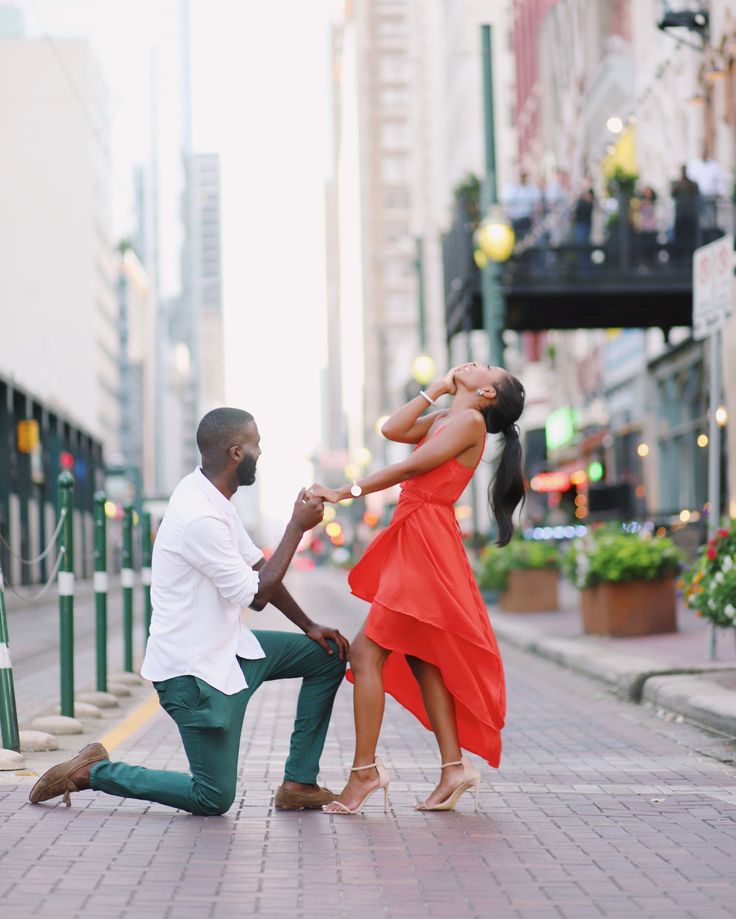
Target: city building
(408,135)
(136,361)
(59,347)
(206,251)
(621,95)
(38,442)
(57,274)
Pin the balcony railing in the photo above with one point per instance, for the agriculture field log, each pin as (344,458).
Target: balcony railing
(618,270)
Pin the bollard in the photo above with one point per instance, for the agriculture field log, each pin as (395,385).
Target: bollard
(100,583)
(8,714)
(126,579)
(146,573)
(66,591)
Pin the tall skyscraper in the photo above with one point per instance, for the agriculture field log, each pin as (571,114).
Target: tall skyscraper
(136,361)
(206,277)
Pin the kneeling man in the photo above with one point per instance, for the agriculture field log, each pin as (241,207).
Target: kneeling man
(204,664)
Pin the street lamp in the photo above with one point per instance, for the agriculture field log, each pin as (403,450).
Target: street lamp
(423,369)
(494,238)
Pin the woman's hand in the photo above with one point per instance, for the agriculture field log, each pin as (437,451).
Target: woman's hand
(327,494)
(447,382)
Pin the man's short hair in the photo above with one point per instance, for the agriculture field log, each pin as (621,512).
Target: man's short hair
(221,428)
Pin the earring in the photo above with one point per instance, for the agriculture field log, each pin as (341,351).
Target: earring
(479,391)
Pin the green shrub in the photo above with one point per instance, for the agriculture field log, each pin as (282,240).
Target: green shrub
(518,554)
(609,555)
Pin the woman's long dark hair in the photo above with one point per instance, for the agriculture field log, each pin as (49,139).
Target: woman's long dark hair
(506,490)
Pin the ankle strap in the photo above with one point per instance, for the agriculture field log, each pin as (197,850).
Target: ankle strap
(358,768)
(458,762)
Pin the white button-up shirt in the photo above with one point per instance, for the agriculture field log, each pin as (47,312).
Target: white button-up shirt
(201,576)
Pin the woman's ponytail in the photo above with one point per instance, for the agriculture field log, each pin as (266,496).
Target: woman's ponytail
(507,489)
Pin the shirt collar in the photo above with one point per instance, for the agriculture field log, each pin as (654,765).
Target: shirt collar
(214,494)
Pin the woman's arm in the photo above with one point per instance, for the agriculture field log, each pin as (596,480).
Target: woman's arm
(457,436)
(406,426)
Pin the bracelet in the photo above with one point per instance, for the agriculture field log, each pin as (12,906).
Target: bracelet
(430,401)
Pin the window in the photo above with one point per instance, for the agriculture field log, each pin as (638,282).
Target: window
(396,199)
(398,305)
(394,97)
(394,134)
(393,28)
(396,233)
(396,269)
(394,168)
(393,67)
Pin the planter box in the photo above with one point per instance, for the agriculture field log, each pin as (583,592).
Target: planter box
(530,590)
(629,608)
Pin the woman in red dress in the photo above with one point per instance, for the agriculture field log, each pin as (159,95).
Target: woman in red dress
(427,639)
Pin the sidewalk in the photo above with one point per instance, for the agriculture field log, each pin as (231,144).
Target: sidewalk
(598,809)
(672,671)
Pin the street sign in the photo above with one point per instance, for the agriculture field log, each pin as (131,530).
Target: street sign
(712,286)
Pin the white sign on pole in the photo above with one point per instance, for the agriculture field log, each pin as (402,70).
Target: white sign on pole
(712,286)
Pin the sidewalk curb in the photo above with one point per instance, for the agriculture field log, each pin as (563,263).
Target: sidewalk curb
(696,698)
(686,691)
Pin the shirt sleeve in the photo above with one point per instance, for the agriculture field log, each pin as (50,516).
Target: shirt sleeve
(248,549)
(208,546)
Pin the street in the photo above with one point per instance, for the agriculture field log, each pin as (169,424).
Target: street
(599,809)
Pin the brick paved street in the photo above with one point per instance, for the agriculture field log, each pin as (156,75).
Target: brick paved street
(599,809)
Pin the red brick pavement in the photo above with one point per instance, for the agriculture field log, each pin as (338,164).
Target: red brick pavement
(598,810)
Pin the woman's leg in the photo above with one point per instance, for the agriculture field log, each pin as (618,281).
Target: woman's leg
(366,661)
(440,707)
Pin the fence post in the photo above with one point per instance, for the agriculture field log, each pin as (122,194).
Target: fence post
(146,572)
(100,583)
(66,592)
(8,714)
(127,579)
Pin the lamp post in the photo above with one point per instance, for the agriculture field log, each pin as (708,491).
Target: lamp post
(494,237)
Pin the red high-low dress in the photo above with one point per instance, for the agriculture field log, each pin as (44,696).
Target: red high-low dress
(425,603)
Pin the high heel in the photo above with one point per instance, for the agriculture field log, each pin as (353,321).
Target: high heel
(470,779)
(383,782)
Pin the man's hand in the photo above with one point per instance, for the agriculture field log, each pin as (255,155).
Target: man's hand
(320,634)
(327,494)
(308,511)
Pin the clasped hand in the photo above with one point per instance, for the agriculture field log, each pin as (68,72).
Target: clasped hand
(332,495)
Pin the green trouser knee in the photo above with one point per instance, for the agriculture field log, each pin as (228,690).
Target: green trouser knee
(210,725)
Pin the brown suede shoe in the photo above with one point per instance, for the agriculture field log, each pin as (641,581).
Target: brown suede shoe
(57,780)
(287,800)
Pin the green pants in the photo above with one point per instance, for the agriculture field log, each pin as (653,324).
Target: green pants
(210,725)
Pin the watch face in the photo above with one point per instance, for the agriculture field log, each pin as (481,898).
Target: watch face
(356,491)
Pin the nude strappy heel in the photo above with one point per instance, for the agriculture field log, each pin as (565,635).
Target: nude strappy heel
(471,779)
(383,782)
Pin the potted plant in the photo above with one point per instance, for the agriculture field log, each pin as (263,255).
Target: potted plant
(709,586)
(626,580)
(523,575)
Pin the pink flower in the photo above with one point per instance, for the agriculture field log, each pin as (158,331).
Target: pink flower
(712,554)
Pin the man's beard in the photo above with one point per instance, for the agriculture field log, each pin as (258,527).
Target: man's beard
(246,471)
